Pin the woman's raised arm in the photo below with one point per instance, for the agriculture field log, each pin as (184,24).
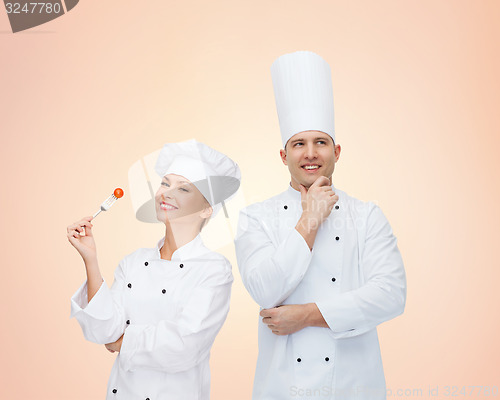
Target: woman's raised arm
(80,236)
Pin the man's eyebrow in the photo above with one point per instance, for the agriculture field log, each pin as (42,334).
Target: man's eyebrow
(315,139)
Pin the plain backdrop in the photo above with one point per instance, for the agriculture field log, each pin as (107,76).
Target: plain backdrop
(416,92)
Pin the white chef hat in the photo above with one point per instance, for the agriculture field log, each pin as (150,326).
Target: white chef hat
(302,85)
(215,175)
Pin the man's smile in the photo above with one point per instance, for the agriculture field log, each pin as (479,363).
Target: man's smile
(309,167)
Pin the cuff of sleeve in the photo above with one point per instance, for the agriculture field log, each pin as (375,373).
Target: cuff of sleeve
(342,314)
(100,307)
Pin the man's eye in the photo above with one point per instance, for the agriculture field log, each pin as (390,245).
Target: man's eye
(297,144)
(321,141)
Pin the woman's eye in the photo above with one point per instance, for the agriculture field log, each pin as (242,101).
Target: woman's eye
(183,189)
(165,184)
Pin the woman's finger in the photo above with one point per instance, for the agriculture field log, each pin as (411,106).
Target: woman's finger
(82,227)
(72,227)
(83,222)
(71,233)
(88,230)
(75,241)
(75,233)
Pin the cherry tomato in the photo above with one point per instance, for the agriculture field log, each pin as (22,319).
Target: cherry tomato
(118,193)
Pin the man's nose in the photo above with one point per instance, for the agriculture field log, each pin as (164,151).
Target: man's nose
(310,151)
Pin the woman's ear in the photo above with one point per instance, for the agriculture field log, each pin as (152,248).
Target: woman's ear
(205,215)
(207,212)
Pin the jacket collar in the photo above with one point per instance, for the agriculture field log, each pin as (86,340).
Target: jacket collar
(191,249)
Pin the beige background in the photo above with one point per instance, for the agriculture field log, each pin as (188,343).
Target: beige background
(416,93)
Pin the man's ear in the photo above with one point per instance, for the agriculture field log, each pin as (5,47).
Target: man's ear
(283,156)
(337,152)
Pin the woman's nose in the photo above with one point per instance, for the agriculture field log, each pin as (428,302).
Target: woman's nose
(167,194)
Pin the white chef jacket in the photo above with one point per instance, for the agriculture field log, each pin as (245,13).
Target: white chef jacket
(170,312)
(354,274)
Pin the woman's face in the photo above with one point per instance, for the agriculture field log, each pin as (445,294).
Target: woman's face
(177,198)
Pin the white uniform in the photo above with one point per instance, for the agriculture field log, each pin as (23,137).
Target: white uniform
(170,312)
(354,274)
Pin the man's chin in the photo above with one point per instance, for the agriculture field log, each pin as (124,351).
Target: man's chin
(308,181)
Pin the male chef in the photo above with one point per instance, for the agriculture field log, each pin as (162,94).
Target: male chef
(323,266)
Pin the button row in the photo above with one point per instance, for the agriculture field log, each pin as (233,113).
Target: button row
(163,290)
(114,391)
(337,207)
(300,359)
(180,265)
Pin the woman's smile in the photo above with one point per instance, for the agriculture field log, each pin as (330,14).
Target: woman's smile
(167,206)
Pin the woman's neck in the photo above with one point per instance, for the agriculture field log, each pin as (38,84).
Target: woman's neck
(176,235)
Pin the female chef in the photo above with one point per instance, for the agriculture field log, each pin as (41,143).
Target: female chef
(167,303)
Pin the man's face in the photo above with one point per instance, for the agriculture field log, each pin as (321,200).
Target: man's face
(309,155)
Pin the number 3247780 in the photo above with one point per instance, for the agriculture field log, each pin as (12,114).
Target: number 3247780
(32,8)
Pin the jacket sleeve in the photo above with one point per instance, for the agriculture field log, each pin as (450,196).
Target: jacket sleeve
(101,319)
(183,342)
(270,271)
(383,294)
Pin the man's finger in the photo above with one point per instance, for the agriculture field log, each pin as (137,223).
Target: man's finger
(321,181)
(265,312)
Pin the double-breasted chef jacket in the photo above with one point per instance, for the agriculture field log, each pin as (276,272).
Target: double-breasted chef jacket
(170,313)
(354,274)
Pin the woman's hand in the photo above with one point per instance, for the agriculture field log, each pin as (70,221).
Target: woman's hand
(115,346)
(85,245)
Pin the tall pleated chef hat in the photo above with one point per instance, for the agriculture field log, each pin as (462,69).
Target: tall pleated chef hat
(302,83)
(215,175)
